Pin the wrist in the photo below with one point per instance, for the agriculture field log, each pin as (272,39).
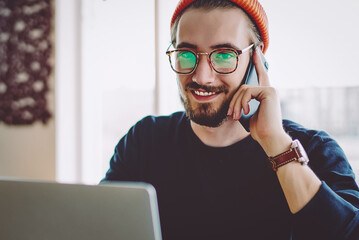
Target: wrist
(276,145)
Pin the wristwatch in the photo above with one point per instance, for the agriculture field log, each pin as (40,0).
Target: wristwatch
(295,153)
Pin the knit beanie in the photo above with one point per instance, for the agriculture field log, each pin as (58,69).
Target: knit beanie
(252,7)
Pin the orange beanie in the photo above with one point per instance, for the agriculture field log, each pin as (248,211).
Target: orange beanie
(253,9)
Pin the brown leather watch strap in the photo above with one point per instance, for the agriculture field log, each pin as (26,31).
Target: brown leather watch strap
(284,158)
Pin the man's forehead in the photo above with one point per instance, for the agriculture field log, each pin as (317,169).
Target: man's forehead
(214,46)
(210,28)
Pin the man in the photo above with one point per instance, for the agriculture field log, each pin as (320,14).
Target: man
(214,178)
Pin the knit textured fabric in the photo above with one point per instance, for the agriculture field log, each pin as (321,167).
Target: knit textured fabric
(252,7)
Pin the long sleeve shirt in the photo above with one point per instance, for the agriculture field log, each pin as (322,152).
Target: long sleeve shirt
(232,192)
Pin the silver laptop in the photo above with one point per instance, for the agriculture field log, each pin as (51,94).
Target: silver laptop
(52,211)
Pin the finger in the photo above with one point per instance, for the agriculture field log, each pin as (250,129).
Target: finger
(234,105)
(246,98)
(237,110)
(238,106)
(262,74)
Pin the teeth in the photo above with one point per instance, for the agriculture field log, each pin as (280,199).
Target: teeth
(204,93)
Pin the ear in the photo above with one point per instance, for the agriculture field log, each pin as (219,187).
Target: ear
(261,46)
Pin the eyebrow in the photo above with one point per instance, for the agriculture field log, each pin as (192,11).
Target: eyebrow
(186,45)
(225,45)
(192,46)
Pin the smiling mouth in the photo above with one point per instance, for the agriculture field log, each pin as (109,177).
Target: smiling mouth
(202,93)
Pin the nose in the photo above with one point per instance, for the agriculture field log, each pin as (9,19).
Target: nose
(204,74)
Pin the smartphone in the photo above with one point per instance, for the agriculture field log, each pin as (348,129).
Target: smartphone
(251,78)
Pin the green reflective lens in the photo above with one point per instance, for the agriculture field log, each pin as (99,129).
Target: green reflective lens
(224,60)
(187,60)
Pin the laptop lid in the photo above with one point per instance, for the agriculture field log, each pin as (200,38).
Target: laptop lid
(43,210)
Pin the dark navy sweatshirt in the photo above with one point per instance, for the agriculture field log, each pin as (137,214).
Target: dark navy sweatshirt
(232,192)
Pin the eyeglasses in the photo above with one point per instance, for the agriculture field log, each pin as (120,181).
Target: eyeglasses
(222,60)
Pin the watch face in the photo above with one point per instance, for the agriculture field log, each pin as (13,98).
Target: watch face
(304,157)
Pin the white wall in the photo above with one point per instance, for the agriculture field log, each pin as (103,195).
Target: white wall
(118,76)
(313,43)
(68,90)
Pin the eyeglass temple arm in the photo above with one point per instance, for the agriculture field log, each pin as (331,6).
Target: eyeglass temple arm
(169,47)
(247,48)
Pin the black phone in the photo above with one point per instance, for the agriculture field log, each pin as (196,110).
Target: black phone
(251,78)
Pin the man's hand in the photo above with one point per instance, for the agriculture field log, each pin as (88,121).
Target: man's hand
(266,128)
(266,124)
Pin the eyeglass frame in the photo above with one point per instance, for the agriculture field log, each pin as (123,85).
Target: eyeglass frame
(236,51)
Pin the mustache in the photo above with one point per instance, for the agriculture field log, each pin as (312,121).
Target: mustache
(194,85)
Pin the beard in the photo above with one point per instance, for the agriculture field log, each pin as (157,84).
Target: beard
(204,113)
